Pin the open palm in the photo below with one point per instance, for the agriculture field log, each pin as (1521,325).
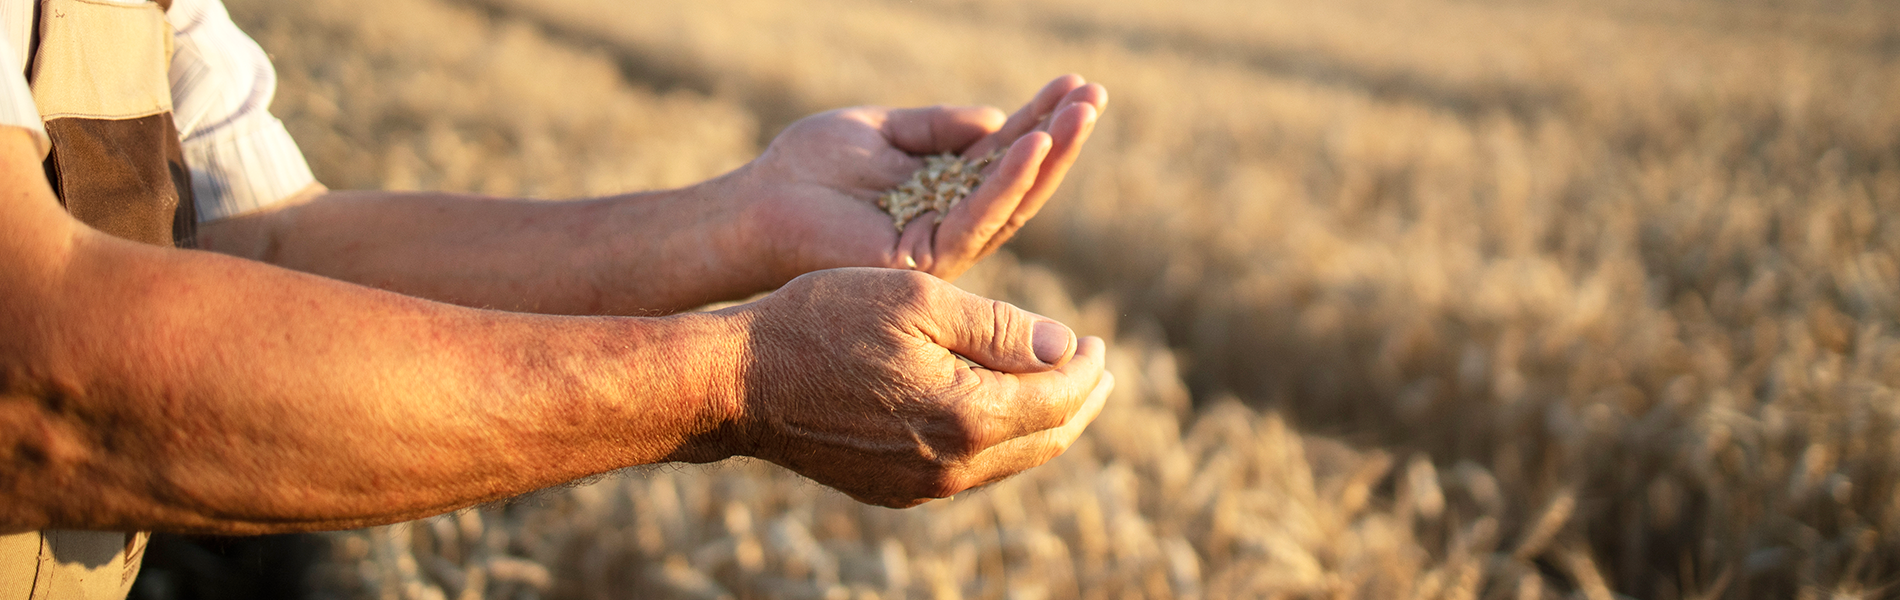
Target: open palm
(819,180)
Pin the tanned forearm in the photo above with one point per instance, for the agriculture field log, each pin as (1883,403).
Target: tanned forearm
(636,254)
(145,388)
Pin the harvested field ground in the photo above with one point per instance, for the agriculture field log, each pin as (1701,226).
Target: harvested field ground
(1408,298)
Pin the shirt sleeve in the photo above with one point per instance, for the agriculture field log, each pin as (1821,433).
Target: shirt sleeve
(16,99)
(241,158)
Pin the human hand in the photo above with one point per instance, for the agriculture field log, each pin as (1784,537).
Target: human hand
(818,182)
(852,383)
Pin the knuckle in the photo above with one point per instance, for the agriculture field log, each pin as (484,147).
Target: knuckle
(911,284)
(927,293)
(900,289)
(1011,326)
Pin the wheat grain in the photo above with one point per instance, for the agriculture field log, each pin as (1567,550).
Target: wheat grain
(944,180)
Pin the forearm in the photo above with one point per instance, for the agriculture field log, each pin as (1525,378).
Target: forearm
(150,388)
(636,254)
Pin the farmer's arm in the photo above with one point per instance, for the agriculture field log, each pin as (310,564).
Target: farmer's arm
(146,387)
(151,388)
(630,255)
(804,205)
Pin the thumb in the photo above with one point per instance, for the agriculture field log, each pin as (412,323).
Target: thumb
(1000,336)
(940,128)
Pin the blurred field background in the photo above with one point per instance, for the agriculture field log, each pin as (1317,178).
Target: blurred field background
(1409,298)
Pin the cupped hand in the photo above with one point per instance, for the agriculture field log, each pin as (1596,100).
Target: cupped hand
(818,182)
(855,382)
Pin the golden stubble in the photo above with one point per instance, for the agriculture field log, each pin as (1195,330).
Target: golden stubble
(1427,299)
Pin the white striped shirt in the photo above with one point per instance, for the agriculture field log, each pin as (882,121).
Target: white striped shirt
(240,156)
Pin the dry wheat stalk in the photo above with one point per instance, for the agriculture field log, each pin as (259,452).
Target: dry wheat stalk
(944,180)
(1682,387)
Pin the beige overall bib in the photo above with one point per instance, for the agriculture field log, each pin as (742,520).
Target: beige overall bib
(98,70)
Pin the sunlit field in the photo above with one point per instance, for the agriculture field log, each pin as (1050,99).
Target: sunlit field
(1407,299)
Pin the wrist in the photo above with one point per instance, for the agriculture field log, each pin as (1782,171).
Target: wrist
(709,354)
(759,247)
(681,248)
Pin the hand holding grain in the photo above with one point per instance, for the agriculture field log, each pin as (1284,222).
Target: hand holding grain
(853,384)
(820,180)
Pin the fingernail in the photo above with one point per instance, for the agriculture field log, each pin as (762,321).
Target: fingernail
(1051,341)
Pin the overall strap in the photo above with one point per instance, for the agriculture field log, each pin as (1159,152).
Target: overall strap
(100,78)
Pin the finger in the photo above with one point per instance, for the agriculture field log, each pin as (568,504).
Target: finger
(1028,117)
(1033,449)
(915,241)
(934,129)
(967,230)
(1074,120)
(1069,130)
(997,335)
(1028,403)
(1093,95)
(1024,406)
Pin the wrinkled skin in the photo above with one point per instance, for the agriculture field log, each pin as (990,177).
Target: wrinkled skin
(853,383)
(848,376)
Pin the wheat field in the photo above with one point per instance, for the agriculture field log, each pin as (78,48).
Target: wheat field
(1407,298)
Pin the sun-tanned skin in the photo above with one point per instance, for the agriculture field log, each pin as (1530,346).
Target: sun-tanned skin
(804,205)
(148,388)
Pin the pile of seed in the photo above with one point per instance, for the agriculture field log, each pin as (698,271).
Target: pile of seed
(944,181)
